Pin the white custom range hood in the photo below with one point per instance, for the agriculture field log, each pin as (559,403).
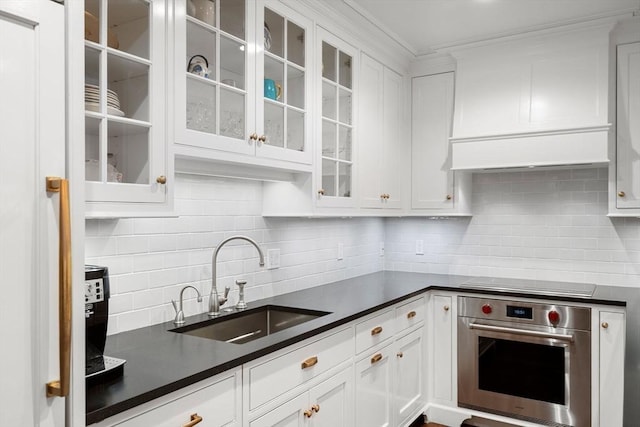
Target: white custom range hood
(533,101)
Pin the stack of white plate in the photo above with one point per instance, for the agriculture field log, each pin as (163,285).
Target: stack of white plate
(92,100)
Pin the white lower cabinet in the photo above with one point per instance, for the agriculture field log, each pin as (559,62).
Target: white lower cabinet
(409,380)
(611,368)
(443,358)
(325,405)
(373,388)
(216,401)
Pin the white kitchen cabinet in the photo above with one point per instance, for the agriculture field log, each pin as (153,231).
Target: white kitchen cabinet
(409,388)
(435,188)
(217,402)
(250,102)
(611,367)
(443,363)
(325,405)
(624,198)
(128,163)
(381,145)
(373,388)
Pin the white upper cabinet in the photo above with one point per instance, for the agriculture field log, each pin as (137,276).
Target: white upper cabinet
(435,188)
(535,101)
(625,197)
(128,167)
(242,81)
(382,146)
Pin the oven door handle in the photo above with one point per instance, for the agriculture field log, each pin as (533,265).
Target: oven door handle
(517,331)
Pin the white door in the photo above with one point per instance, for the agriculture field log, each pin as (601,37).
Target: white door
(409,378)
(373,390)
(443,356)
(32,146)
(331,401)
(290,414)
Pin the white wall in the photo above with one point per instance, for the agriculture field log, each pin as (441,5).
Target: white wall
(150,260)
(549,225)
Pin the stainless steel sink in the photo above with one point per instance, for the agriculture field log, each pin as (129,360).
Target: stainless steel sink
(245,326)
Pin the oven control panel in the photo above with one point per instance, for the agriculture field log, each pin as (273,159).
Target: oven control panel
(522,311)
(93,291)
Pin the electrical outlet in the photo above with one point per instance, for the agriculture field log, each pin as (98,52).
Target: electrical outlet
(419,247)
(381,248)
(340,251)
(273,259)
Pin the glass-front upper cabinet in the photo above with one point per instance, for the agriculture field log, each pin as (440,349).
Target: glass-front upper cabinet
(125,142)
(336,128)
(242,79)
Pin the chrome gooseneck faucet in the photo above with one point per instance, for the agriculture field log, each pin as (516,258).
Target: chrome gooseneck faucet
(179,320)
(215,300)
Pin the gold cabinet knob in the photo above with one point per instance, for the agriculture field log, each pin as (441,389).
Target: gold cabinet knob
(253,136)
(376,330)
(446,308)
(388,196)
(262,138)
(376,358)
(400,355)
(621,194)
(382,196)
(308,413)
(195,419)
(312,361)
(321,192)
(449,197)
(605,325)
(315,408)
(161,179)
(411,314)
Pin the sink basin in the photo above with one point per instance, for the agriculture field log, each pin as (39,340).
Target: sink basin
(248,325)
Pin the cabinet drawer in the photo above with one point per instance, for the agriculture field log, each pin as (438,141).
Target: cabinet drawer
(218,404)
(374,330)
(410,314)
(270,378)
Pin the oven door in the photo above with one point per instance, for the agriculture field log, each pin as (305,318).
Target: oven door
(535,373)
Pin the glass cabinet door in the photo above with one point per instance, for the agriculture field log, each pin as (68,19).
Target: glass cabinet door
(124,100)
(212,65)
(283,79)
(336,128)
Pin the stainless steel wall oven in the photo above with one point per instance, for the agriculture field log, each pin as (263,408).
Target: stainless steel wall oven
(525,360)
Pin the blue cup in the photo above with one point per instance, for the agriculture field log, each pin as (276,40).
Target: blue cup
(271,89)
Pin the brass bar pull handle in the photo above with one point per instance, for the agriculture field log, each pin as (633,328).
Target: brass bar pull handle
(315,408)
(309,362)
(376,358)
(195,419)
(60,387)
(411,315)
(376,330)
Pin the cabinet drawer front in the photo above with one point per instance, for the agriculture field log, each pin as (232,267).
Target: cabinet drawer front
(278,375)
(218,404)
(374,330)
(410,314)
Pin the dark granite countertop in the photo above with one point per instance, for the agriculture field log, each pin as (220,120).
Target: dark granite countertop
(160,361)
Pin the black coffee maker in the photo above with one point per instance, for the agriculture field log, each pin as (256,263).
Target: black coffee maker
(96,311)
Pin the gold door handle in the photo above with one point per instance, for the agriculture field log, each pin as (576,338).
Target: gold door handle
(449,197)
(60,388)
(253,137)
(195,419)
(621,194)
(411,314)
(400,354)
(161,179)
(308,413)
(376,330)
(605,325)
(262,139)
(309,362)
(446,308)
(321,192)
(376,358)
(315,408)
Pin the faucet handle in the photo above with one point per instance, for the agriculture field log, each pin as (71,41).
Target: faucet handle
(175,305)
(226,291)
